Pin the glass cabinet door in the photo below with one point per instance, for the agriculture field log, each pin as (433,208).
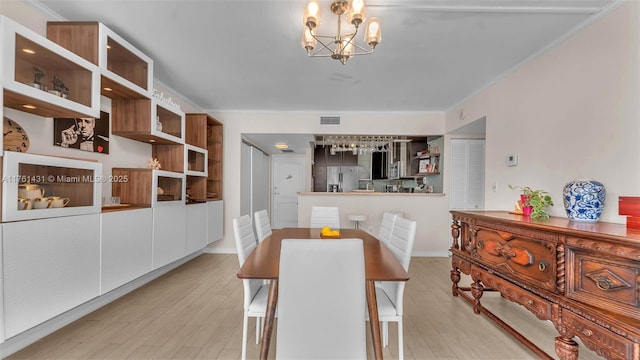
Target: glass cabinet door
(38,186)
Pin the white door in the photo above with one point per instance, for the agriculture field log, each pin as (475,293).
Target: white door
(467,174)
(288,180)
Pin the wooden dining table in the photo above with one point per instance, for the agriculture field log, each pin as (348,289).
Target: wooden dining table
(379,262)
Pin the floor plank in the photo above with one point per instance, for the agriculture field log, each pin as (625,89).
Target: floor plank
(195,312)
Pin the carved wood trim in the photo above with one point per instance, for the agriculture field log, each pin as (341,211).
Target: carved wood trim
(534,234)
(560,269)
(455,234)
(605,247)
(598,339)
(538,306)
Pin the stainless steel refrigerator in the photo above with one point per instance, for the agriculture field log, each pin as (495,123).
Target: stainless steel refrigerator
(345,177)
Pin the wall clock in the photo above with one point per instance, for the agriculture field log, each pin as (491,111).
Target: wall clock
(15,137)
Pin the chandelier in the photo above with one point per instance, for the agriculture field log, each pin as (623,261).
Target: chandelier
(341,46)
(358,144)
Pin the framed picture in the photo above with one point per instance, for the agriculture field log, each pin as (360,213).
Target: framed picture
(88,134)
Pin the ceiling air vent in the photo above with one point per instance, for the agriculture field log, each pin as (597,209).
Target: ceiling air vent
(329,120)
(287,151)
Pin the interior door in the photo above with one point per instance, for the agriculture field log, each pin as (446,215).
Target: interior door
(288,180)
(467,174)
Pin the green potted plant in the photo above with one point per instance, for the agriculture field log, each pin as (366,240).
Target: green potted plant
(536,201)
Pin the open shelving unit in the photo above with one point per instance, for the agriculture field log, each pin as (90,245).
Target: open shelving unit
(45,79)
(126,72)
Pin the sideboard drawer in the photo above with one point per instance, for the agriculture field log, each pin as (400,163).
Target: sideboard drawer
(608,282)
(531,260)
(604,342)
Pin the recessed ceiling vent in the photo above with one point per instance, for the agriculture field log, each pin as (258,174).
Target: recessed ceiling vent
(287,151)
(329,120)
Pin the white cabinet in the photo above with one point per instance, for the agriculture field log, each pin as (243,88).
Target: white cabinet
(169,230)
(126,247)
(75,185)
(50,266)
(215,221)
(196,227)
(43,78)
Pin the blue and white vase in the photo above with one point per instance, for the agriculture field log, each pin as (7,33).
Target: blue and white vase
(584,200)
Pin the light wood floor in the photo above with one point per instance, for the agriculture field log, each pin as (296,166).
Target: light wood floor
(195,312)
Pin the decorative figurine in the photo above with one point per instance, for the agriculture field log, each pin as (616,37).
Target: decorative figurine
(59,88)
(38,74)
(153,164)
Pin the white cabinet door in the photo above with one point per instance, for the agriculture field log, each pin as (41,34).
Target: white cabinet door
(169,234)
(126,247)
(196,227)
(50,266)
(215,220)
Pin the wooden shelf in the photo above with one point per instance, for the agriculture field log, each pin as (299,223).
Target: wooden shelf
(142,187)
(196,130)
(137,119)
(126,73)
(214,146)
(171,157)
(32,62)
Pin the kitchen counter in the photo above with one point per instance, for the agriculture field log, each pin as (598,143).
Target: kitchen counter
(429,210)
(371,193)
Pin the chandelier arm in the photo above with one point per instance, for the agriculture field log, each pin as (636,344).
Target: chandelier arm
(366,51)
(317,54)
(324,46)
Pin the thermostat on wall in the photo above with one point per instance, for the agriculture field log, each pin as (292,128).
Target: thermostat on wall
(512,160)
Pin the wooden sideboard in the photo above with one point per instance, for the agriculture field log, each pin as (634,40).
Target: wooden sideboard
(583,277)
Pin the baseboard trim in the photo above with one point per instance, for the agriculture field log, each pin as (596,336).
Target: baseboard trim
(28,337)
(431,253)
(209,250)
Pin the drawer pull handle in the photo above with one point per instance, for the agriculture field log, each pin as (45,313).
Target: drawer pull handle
(587,332)
(603,284)
(542,265)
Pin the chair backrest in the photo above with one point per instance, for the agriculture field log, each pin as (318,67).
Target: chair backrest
(386,226)
(401,245)
(263,226)
(245,238)
(245,243)
(321,300)
(325,216)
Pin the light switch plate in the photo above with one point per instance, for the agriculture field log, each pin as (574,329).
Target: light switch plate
(512,160)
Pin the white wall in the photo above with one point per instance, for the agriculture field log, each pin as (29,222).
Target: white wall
(570,113)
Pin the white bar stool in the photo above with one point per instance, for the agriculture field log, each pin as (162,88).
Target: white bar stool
(357,218)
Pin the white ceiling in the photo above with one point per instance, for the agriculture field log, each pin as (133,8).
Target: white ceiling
(246,54)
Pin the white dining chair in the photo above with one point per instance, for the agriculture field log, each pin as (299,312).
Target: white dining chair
(325,216)
(255,291)
(390,294)
(263,226)
(386,226)
(321,300)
